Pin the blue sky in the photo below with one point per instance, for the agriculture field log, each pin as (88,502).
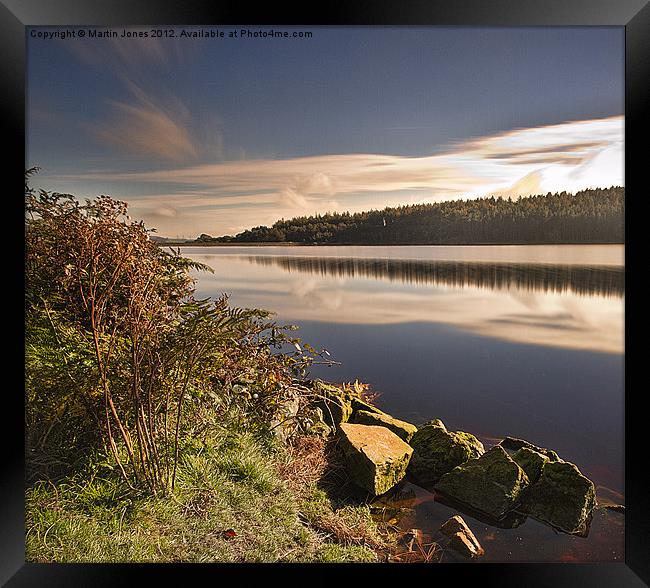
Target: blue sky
(217,135)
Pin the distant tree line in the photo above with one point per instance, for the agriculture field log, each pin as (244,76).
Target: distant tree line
(589,216)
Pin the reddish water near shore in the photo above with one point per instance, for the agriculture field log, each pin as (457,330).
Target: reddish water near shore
(525,341)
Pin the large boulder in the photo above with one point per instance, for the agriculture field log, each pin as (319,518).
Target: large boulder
(402,429)
(437,451)
(376,458)
(562,497)
(492,484)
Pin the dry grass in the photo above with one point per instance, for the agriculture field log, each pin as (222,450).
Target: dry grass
(314,465)
(306,462)
(311,462)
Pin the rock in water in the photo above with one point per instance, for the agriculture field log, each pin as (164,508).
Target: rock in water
(514,444)
(461,537)
(402,429)
(491,484)
(376,458)
(531,462)
(438,451)
(562,497)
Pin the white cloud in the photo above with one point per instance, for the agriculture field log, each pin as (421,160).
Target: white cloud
(568,156)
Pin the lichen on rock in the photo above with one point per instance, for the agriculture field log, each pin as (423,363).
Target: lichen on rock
(402,429)
(358,404)
(492,483)
(313,423)
(334,403)
(375,457)
(437,451)
(531,462)
(514,444)
(562,497)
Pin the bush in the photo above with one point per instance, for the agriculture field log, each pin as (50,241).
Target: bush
(120,355)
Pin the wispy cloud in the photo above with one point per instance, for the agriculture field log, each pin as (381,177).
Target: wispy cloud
(147,129)
(148,124)
(569,156)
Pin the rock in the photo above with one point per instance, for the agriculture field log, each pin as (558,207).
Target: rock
(438,451)
(531,462)
(313,422)
(333,402)
(491,484)
(402,429)
(615,507)
(284,422)
(376,458)
(461,537)
(514,444)
(562,497)
(358,404)
(463,544)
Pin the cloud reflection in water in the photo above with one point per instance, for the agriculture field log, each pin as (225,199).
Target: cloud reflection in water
(567,305)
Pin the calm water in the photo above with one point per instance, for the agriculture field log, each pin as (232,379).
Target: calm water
(524,341)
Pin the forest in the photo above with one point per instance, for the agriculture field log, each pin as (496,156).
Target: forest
(588,216)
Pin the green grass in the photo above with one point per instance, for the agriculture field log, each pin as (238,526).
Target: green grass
(232,483)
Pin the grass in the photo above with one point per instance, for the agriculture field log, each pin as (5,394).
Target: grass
(284,504)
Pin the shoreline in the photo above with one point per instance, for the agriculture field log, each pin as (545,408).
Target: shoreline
(297,244)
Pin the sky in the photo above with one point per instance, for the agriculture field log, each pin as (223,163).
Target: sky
(216,135)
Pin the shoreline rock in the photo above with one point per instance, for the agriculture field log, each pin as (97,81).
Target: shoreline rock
(376,458)
(531,462)
(402,429)
(333,403)
(461,537)
(437,451)
(562,498)
(515,478)
(492,483)
(514,444)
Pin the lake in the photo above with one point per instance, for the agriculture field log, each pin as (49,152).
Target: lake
(526,341)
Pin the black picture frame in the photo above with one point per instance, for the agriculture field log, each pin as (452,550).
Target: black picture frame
(634,15)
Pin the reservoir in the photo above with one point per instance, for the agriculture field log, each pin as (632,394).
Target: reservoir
(525,341)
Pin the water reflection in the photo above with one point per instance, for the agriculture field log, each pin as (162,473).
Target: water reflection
(521,297)
(593,280)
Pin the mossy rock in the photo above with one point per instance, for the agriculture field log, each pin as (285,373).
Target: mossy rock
(402,429)
(492,484)
(375,457)
(531,462)
(334,403)
(513,444)
(438,451)
(358,404)
(562,497)
(313,422)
